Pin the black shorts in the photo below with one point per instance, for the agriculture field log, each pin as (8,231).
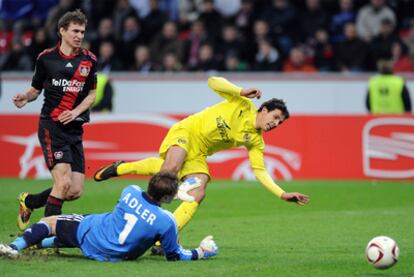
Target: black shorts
(66,230)
(62,144)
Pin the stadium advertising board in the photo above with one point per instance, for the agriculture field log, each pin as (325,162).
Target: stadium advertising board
(305,147)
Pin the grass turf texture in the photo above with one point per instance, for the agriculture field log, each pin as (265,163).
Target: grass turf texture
(258,234)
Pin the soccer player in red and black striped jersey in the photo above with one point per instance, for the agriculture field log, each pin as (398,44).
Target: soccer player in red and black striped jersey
(67,74)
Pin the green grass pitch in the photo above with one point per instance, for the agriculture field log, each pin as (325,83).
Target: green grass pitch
(258,234)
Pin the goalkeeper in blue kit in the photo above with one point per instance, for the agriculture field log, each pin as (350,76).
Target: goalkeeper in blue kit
(135,224)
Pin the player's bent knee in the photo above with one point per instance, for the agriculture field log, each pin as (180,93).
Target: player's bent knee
(73,195)
(66,184)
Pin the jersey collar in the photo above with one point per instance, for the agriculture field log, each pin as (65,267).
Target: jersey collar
(77,52)
(148,198)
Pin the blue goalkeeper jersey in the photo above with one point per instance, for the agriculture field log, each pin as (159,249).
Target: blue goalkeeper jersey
(130,229)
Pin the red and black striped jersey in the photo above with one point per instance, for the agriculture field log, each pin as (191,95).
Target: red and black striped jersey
(66,81)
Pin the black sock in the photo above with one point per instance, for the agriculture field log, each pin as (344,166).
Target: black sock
(35,201)
(53,206)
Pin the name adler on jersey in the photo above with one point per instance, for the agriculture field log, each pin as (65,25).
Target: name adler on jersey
(145,214)
(68,85)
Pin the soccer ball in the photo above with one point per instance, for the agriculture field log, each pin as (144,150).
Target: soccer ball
(382,252)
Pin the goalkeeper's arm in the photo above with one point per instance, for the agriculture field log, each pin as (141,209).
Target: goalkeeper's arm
(175,252)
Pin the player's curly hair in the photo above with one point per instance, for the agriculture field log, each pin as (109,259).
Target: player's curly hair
(273,104)
(76,16)
(162,184)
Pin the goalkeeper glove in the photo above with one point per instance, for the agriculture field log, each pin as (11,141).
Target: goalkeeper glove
(186,186)
(208,248)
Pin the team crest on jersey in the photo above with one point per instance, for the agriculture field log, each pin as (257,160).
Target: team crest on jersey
(58,155)
(84,70)
(247,137)
(182,141)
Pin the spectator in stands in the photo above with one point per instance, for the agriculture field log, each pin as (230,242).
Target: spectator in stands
(409,39)
(207,59)
(142,60)
(57,12)
(108,60)
(369,19)
(104,94)
(401,60)
(345,15)
(142,7)
(381,45)
(153,23)
(96,10)
(298,62)
(105,33)
(168,7)
(189,11)
(211,18)
(171,63)
(261,31)
(281,17)
(350,54)
(13,13)
(122,10)
(132,35)
(312,19)
(196,37)
(17,59)
(245,18)
(323,54)
(233,63)
(267,57)
(41,11)
(387,93)
(40,42)
(230,43)
(166,42)
(227,8)
(23,15)
(404,12)
(246,24)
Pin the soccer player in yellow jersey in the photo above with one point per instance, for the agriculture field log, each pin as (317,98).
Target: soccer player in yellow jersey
(232,123)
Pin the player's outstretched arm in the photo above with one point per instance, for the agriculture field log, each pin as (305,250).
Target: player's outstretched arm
(175,252)
(298,198)
(264,178)
(21,99)
(208,248)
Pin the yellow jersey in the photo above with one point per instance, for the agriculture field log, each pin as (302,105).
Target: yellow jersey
(228,124)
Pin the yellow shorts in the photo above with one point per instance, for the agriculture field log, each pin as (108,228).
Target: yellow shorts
(196,161)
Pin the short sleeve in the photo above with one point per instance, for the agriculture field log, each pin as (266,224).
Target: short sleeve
(39,76)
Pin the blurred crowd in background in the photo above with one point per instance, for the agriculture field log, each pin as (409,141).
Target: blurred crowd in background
(225,35)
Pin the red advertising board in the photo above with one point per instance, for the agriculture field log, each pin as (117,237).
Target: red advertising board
(304,147)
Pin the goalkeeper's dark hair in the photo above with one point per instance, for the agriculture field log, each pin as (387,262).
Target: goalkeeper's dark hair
(162,184)
(273,104)
(76,16)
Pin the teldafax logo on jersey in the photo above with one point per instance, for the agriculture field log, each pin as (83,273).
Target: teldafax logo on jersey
(68,85)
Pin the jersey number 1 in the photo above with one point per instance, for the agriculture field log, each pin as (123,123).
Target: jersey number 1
(131,220)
